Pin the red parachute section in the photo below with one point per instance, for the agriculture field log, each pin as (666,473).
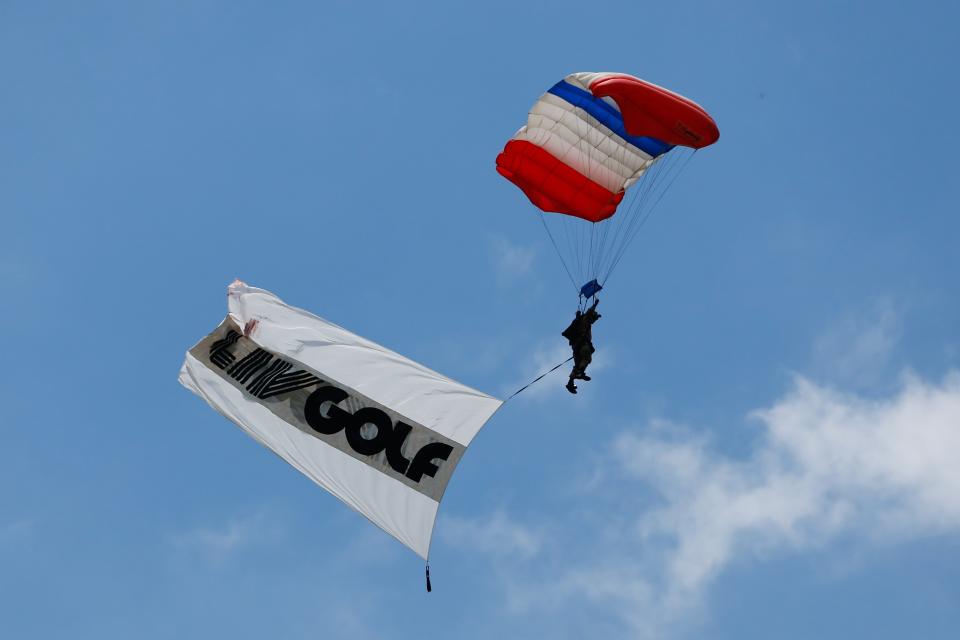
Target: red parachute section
(649,110)
(551,185)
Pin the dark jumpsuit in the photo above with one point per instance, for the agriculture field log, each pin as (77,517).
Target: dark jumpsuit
(580,336)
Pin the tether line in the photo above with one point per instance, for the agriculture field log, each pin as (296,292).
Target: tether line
(539,378)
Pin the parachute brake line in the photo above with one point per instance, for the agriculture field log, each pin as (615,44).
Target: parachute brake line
(517,392)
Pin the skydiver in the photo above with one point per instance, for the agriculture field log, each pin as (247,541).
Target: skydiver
(580,336)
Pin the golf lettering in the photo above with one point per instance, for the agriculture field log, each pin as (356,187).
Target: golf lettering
(324,416)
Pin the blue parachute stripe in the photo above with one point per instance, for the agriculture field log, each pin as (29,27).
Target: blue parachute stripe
(607,116)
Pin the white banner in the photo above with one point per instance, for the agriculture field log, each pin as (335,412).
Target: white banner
(377,430)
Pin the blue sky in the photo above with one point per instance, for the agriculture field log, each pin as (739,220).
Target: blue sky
(768,448)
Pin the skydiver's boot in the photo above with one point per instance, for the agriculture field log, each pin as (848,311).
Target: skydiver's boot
(572,388)
(584,376)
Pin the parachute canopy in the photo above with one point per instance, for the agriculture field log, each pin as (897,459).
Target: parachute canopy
(593,135)
(589,139)
(378,431)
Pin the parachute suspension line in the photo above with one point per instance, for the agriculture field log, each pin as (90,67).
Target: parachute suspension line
(570,226)
(639,212)
(570,253)
(571,238)
(591,262)
(597,252)
(633,210)
(615,225)
(635,204)
(641,193)
(553,241)
(559,255)
(617,222)
(578,247)
(605,233)
(670,175)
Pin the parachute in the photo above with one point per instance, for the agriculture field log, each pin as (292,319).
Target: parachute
(589,139)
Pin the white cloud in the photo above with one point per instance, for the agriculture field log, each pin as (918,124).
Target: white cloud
(495,534)
(511,260)
(219,541)
(541,359)
(827,463)
(471,354)
(858,348)
(668,513)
